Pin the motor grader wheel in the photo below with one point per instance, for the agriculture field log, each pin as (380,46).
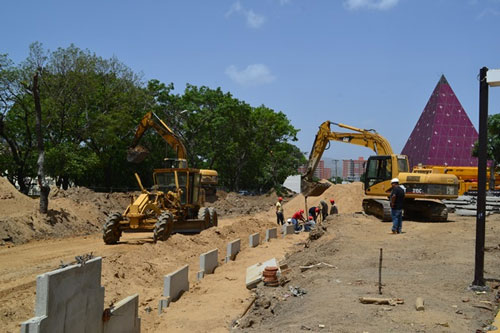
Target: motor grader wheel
(204,214)
(111,232)
(163,227)
(214,220)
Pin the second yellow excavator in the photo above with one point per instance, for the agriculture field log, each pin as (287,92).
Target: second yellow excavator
(423,191)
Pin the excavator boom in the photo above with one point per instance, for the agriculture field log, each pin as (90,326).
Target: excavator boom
(137,153)
(361,137)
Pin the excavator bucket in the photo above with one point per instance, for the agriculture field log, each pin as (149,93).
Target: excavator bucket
(137,154)
(313,189)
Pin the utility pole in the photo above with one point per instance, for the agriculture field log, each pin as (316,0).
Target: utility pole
(486,78)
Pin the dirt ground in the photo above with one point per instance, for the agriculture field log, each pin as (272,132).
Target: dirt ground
(434,261)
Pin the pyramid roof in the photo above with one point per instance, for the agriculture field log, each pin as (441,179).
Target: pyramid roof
(444,134)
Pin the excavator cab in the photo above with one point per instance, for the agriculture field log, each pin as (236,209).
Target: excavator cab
(384,167)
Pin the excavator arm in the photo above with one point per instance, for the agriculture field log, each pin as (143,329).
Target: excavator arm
(137,153)
(362,137)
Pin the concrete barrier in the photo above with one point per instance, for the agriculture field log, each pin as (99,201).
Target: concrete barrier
(72,299)
(232,249)
(253,240)
(287,229)
(124,318)
(271,233)
(208,263)
(174,284)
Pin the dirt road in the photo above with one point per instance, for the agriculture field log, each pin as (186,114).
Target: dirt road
(136,265)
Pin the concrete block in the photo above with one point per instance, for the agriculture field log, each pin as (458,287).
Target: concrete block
(254,272)
(174,284)
(232,249)
(287,229)
(253,240)
(271,233)
(163,304)
(208,262)
(69,298)
(124,317)
(32,325)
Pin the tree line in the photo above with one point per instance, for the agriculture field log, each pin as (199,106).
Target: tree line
(89,110)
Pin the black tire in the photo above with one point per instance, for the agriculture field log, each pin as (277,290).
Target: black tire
(163,227)
(111,232)
(204,214)
(214,220)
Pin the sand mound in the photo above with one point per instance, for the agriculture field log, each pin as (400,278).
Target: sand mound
(77,211)
(234,204)
(348,198)
(13,202)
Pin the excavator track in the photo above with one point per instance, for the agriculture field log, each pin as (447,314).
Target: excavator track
(419,210)
(379,208)
(425,210)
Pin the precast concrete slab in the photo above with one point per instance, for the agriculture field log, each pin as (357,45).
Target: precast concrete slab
(253,240)
(287,229)
(271,233)
(124,317)
(208,263)
(232,249)
(69,299)
(254,272)
(174,284)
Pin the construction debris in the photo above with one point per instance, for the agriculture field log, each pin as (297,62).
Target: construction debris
(419,304)
(318,265)
(380,301)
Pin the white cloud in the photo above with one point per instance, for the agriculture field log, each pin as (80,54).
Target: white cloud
(284,2)
(488,11)
(253,19)
(370,4)
(253,75)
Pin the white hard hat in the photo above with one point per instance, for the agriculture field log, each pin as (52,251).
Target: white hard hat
(394,180)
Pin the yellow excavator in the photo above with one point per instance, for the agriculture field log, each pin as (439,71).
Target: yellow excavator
(423,191)
(176,202)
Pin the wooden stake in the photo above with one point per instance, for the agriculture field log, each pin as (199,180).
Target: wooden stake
(380,273)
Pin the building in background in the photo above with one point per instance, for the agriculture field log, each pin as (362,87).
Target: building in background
(444,134)
(321,171)
(353,169)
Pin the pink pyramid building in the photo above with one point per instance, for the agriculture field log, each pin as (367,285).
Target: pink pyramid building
(444,134)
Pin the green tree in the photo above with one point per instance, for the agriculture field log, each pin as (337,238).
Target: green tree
(493,146)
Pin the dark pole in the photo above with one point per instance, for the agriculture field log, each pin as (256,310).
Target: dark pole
(380,273)
(481,186)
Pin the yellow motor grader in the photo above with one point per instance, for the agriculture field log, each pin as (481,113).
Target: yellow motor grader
(175,203)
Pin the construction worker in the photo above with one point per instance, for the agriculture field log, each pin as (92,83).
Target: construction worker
(295,219)
(309,224)
(279,212)
(324,209)
(397,198)
(314,211)
(333,209)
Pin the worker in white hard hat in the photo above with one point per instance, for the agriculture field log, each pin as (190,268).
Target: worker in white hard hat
(397,198)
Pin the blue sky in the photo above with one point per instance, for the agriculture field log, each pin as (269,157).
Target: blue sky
(366,63)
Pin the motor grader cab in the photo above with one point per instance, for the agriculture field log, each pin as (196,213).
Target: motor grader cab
(380,169)
(175,203)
